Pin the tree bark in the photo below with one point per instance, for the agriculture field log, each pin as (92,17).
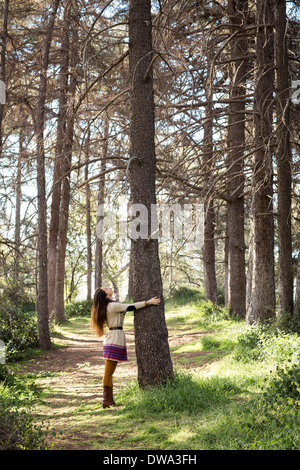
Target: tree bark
(209,269)
(59,302)
(42,298)
(3,62)
(88,222)
(284,163)
(209,258)
(101,199)
(262,304)
(249,271)
(296,310)
(151,335)
(58,163)
(236,277)
(18,208)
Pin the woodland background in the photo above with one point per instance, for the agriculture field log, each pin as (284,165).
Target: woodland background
(226,134)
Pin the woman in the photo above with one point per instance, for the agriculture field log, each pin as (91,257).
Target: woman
(106,311)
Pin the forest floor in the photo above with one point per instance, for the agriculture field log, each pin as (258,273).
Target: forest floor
(70,378)
(217,401)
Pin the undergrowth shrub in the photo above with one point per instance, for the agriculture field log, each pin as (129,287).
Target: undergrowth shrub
(4,374)
(288,322)
(286,383)
(79,309)
(250,343)
(184,295)
(17,429)
(261,342)
(18,330)
(211,312)
(276,417)
(19,333)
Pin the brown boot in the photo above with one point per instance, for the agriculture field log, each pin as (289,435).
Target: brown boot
(112,396)
(107,397)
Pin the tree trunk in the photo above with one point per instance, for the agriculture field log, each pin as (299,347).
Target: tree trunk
(284,163)
(249,271)
(3,62)
(236,277)
(101,199)
(57,174)
(59,303)
(262,305)
(297,291)
(226,243)
(88,222)
(42,298)
(210,281)
(18,208)
(151,335)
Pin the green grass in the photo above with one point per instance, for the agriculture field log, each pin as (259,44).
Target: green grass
(224,406)
(228,393)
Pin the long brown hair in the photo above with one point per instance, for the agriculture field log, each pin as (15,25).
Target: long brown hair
(98,312)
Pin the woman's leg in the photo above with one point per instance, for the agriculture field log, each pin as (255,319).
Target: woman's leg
(109,369)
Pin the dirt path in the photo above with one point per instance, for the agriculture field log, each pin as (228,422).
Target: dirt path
(70,377)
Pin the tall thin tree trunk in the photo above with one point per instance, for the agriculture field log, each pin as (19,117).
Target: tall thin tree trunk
(59,302)
(18,207)
(88,222)
(284,163)
(101,200)
(151,335)
(42,298)
(3,62)
(236,277)
(209,257)
(297,291)
(249,271)
(210,280)
(226,243)
(58,162)
(262,304)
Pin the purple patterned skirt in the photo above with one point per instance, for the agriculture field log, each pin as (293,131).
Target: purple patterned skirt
(114,352)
